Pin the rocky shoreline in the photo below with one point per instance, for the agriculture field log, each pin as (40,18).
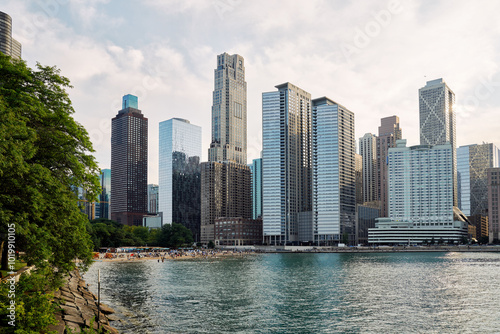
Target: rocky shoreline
(79,306)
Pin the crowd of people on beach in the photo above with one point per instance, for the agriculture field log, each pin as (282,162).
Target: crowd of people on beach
(172,254)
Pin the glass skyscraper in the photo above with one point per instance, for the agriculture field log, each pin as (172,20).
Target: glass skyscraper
(129,164)
(334,186)
(180,173)
(286,165)
(437,120)
(105,196)
(473,162)
(256,168)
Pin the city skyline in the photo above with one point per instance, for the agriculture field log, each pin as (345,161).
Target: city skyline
(167,59)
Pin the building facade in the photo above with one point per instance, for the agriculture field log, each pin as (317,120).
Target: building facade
(229,111)
(222,194)
(473,162)
(368,151)
(104,210)
(179,174)
(8,45)
(334,189)
(238,231)
(129,164)
(225,192)
(421,197)
(494,204)
(286,165)
(256,169)
(359,178)
(366,215)
(437,120)
(389,132)
(153,204)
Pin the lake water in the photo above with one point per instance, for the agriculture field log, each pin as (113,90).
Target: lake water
(306,293)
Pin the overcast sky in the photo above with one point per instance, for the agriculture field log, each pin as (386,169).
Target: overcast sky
(370,56)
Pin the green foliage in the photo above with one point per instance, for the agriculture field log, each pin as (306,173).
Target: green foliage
(34,309)
(44,154)
(211,244)
(108,233)
(174,236)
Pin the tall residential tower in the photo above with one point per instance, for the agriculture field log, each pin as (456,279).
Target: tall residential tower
(225,178)
(8,45)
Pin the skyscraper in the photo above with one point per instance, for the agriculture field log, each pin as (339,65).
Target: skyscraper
(494,204)
(105,196)
(180,173)
(286,162)
(473,162)
(153,201)
(8,45)
(256,168)
(225,178)
(229,111)
(333,186)
(437,120)
(129,163)
(388,133)
(359,178)
(368,150)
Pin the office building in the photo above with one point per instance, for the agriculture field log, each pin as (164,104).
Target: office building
(286,165)
(225,178)
(368,151)
(421,197)
(389,132)
(473,162)
(256,170)
(153,199)
(129,163)
(334,190)
(366,215)
(179,174)
(359,178)
(8,45)
(494,204)
(104,208)
(482,227)
(437,120)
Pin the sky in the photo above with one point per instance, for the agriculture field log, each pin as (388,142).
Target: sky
(369,56)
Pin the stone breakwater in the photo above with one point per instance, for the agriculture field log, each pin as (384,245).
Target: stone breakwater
(79,306)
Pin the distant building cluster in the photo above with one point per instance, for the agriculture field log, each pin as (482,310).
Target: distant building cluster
(310,186)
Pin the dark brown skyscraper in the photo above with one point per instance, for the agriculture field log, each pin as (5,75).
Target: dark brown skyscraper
(129,164)
(388,132)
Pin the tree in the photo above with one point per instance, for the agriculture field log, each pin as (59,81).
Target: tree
(211,244)
(174,236)
(44,155)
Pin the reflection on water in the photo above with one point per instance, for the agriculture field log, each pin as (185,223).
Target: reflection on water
(306,293)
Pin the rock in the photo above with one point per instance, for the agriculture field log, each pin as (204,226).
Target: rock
(112,317)
(76,319)
(91,321)
(59,327)
(106,309)
(110,329)
(75,328)
(70,304)
(67,294)
(70,311)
